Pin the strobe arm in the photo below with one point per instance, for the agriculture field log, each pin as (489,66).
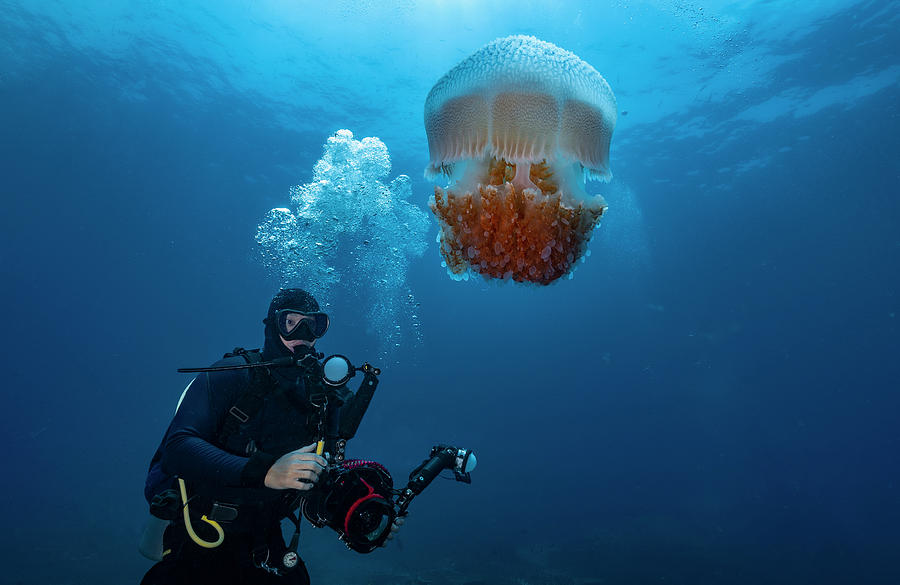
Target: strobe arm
(461,461)
(352,412)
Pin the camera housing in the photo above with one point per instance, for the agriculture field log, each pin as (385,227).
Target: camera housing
(355,499)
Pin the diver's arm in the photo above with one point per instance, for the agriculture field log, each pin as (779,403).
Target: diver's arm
(189,450)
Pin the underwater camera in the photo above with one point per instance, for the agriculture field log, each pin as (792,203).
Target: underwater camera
(357,499)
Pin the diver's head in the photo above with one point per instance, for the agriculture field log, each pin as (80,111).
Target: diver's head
(294,321)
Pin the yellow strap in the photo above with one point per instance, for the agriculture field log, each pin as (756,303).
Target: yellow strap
(190,529)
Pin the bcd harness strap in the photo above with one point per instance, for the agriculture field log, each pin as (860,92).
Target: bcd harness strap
(247,406)
(251,401)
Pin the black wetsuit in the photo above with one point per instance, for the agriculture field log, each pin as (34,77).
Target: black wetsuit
(233,474)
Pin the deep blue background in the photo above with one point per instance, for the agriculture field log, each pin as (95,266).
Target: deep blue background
(712,399)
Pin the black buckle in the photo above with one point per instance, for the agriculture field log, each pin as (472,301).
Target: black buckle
(239,414)
(223,512)
(166,505)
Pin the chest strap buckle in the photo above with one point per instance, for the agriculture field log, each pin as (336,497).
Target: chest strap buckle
(239,414)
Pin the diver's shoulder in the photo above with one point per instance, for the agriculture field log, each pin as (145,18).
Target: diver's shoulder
(229,377)
(231,360)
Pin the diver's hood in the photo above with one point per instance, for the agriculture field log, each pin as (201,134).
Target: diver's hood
(286,298)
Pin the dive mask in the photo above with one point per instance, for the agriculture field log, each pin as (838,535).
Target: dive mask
(294,324)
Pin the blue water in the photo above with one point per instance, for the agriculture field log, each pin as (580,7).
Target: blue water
(712,399)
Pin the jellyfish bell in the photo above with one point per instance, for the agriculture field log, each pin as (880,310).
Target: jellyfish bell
(523,100)
(516,128)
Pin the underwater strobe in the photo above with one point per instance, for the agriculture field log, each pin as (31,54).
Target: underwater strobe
(357,498)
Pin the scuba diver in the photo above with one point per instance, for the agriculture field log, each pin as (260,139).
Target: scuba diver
(244,467)
(260,436)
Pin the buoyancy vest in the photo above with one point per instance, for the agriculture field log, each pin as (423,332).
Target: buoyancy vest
(241,433)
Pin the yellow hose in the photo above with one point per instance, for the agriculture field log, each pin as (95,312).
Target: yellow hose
(190,529)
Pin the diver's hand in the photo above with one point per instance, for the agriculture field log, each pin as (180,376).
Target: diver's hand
(398,522)
(298,470)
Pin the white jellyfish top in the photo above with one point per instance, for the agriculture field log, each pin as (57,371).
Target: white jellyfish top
(523,100)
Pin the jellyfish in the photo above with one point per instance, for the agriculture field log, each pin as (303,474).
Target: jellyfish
(516,128)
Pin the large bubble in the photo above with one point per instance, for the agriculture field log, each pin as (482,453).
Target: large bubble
(349,233)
